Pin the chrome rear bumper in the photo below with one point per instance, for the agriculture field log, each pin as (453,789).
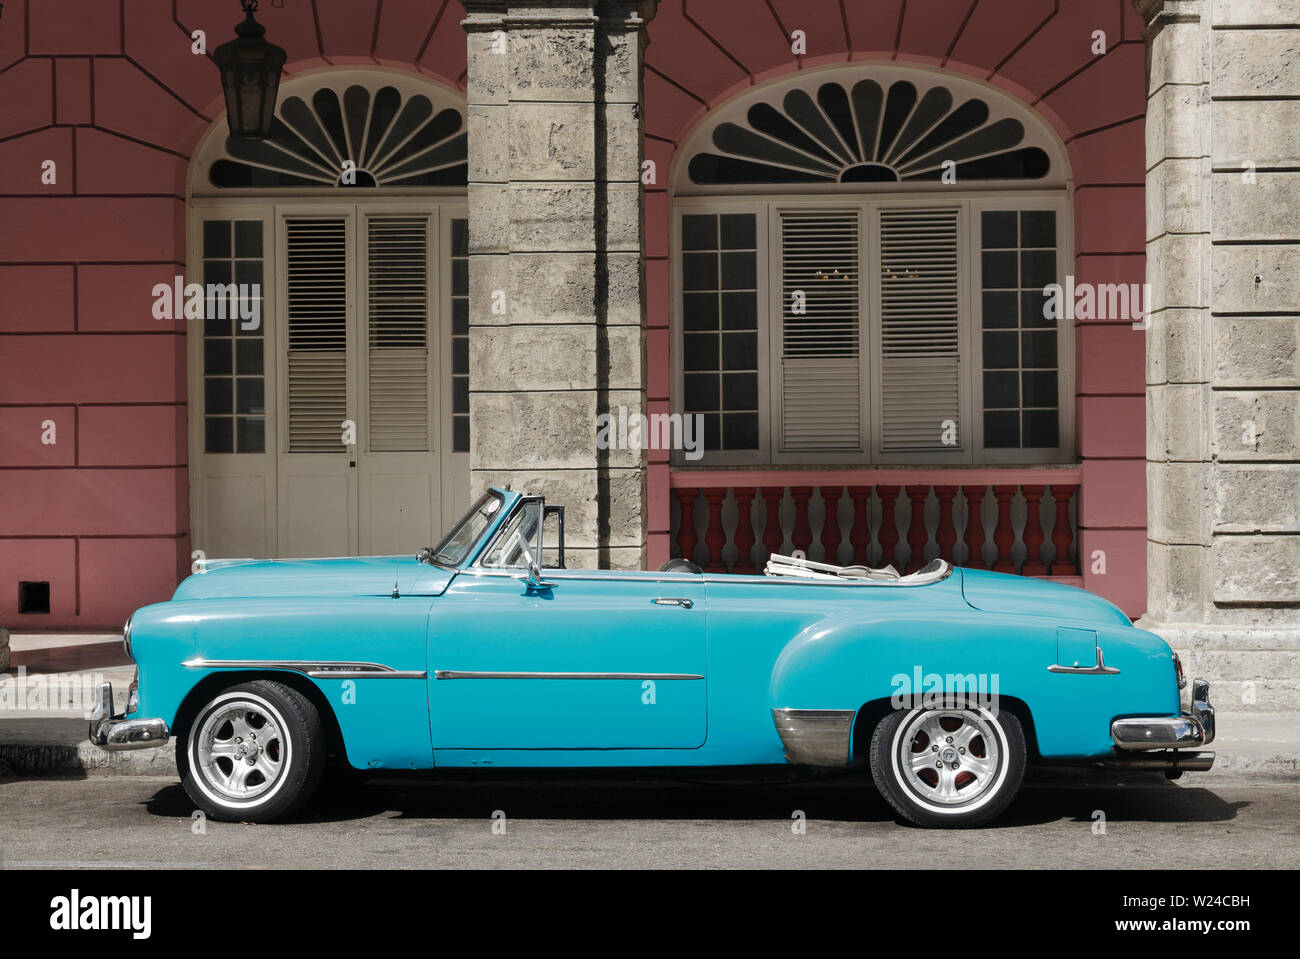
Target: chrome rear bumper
(1188,730)
(117,732)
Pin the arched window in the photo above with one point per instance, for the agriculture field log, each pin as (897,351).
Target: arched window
(860,260)
(329,403)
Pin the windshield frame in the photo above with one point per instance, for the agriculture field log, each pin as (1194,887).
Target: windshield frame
(433,554)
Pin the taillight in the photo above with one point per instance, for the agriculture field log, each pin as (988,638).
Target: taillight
(1178,672)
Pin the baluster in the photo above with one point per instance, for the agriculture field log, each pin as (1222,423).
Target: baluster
(1033,534)
(946,535)
(916,534)
(1062,534)
(715,538)
(686,536)
(831,525)
(773,535)
(860,532)
(744,537)
(1003,535)
(888,536)
(801,535)
(975,525)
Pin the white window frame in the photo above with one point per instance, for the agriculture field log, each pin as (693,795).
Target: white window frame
(970,449)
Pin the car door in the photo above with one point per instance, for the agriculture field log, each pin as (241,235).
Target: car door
(592,660)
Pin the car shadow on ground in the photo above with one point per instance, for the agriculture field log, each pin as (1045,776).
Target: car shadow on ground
(843,798)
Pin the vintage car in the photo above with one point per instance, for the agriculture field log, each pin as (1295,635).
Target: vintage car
(484,651)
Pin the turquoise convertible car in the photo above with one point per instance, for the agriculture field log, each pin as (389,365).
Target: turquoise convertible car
(484,651)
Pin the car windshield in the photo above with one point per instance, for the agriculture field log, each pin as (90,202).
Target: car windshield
(457,543)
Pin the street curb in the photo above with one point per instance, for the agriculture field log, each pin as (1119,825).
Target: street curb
(84,759)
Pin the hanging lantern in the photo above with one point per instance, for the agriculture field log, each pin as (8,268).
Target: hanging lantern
(250,77)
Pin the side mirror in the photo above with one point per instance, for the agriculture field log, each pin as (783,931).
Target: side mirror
(534,578)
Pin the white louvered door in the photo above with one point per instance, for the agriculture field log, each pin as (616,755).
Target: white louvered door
(363,380)
(820,343)
(398,474)
(317,470)
(917,360)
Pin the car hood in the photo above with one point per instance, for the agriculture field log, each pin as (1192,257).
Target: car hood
(1004,593)
(348,576)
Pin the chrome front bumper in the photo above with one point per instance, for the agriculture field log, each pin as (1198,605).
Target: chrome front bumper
(117,732)
(1188,730)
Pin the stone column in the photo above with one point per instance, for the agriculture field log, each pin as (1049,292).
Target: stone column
(1223,421)
(557,325)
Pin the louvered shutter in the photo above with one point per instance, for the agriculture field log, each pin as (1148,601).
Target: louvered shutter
(317,274)
(398,322)
(821,381)
(920,362)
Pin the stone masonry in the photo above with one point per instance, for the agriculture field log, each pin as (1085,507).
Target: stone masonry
(557,329)
(1223,347)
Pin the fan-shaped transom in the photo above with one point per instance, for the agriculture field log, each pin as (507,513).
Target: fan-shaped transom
(347,130)
(864,128)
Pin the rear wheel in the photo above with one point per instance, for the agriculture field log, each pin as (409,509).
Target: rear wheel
(253,753)
(948,768)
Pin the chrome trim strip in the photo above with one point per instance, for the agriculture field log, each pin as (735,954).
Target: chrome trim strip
(316,669)
(560,575)
(1101,669)
(474,674)
(815,737)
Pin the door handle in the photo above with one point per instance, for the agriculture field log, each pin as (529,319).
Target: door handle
(673,601)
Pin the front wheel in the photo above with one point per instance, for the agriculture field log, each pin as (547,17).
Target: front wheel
(254,753)
(948,768)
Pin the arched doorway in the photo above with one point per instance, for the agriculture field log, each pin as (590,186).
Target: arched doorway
(328,377)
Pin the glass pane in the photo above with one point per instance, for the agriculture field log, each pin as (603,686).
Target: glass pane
(251,434)
(460,237)
(1002,390)
(1042,428)
(740,431)
(700,311)
(248,396)
(700,232)
(700,392)
(248,238)
(1001,430)
(1039,388)
(740,311)
(1000,309)
(739,231)
(739,271)
(216,238)
(1000,271)
(1001,351)
(1038,228)
(700,351)
(216,356)
(1037,268)
(998,229)
(700,271)
(218,395)
(740,391)
(460,434)
(218,434)
(248,356)
(740,351)
(1038,350)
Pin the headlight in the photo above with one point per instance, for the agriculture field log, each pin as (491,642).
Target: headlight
(1178,671)
(126,639)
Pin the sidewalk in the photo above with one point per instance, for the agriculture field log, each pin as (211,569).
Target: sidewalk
(51,738)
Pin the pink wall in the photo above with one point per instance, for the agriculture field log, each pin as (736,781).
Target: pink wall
(111,92)
(702,52)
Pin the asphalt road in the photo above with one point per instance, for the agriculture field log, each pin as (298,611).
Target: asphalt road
(134,821)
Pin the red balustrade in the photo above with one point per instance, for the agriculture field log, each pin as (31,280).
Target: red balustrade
(817,519)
